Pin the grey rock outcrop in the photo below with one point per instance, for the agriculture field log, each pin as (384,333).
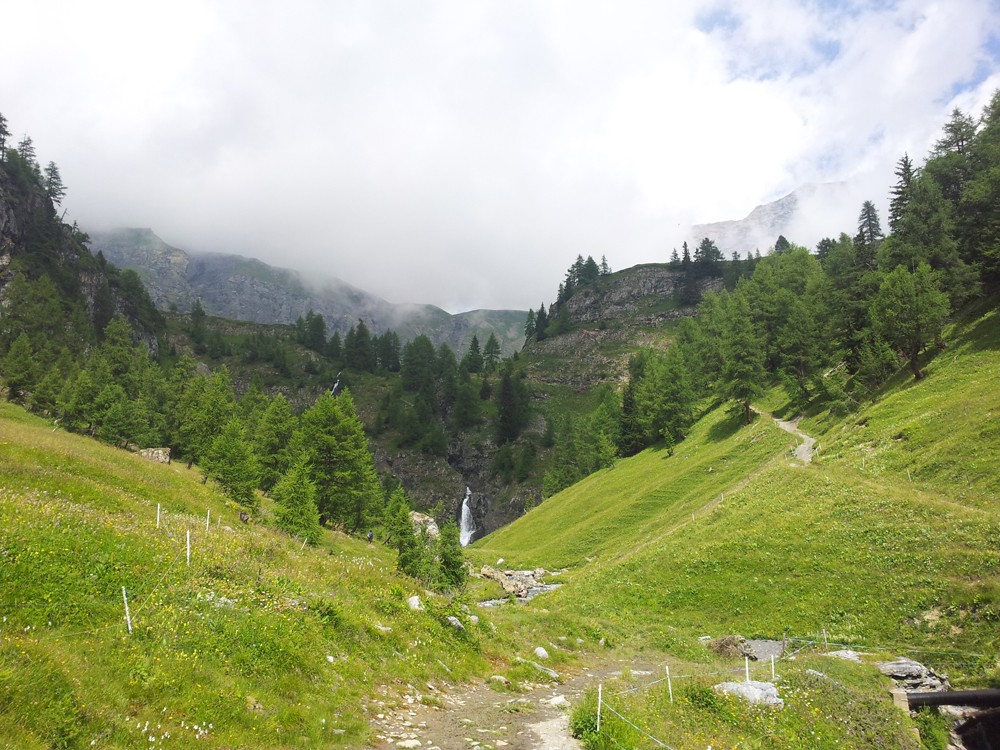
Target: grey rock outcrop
(912,675)
(760,693)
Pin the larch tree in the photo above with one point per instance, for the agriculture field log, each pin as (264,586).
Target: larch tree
(909,310)
(295,495)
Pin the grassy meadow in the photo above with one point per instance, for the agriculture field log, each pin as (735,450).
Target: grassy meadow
(259,642)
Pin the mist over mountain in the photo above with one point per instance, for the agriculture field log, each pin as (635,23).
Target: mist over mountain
(804,216)
(239,288)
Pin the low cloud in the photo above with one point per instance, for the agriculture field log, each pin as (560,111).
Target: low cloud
(463,154)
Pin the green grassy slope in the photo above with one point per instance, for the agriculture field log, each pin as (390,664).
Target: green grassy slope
(258,643)
(870,553)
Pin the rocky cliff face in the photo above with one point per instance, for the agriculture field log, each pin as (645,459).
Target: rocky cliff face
(230,286)
(35,242)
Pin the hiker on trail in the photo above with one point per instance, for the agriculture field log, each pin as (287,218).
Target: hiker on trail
(369,537)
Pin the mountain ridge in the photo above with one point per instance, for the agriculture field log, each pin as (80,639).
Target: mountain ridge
(242,288)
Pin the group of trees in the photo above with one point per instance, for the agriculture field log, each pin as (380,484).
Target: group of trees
(79,344)
(830,326)
(437,395)
(555,320)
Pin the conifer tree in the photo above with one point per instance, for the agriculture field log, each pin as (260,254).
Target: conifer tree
(491,354)
(452,572)
(230,460)
(296,497)
(53,183)
(529,325)
(900,192)
(19,367)
(743,347)
(272,440)
(473,360)
(4,135)
(909,310)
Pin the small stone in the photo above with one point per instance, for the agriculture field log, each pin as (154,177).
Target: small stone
(541,653)
(455,622)
(474,619)
(409,743)
(415,603)
(500,679)
(559,701)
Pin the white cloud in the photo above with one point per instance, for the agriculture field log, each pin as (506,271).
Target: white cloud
(463,153)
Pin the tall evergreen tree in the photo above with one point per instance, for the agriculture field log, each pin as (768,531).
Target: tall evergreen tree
(54,188)
(900,192)
(473,359)
(452,572)
(491,354)
(743,370)
(4,135)
(297,513)
(230,461)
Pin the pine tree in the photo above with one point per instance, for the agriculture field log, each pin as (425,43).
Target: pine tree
(340,462)
(401,535)
(743,348)
(452,572)
(541,322)
(4,135)
(491,354)
(473,360)
(19,368)
(297,513)
(909,310)
(529,325)
(53,183)
(272,440)
(230,461)
(900,192)
(869,234)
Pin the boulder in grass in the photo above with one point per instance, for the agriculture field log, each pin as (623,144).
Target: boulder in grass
(754,691)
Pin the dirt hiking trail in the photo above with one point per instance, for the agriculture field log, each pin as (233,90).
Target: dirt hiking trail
(482,717)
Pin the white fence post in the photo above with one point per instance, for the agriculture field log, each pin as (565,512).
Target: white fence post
(746,660)
(157,515)
(600,689)
(128,617)
(670,687)
(189,547)
(208,518)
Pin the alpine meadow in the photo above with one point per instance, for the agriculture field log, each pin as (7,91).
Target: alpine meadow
(776,469)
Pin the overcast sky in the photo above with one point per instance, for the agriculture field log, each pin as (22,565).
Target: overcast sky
(463,153)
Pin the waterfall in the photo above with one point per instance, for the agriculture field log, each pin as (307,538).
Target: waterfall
(468,527)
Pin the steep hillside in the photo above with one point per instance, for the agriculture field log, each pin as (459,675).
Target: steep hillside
(238,288)
(890,536)
(257,641)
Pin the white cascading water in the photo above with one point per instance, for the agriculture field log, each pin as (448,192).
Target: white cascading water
(468,526)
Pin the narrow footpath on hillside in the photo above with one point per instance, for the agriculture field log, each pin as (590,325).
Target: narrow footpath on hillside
(807,448)
(488,715)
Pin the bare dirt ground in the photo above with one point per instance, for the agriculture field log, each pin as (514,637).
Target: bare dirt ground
(456,717)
